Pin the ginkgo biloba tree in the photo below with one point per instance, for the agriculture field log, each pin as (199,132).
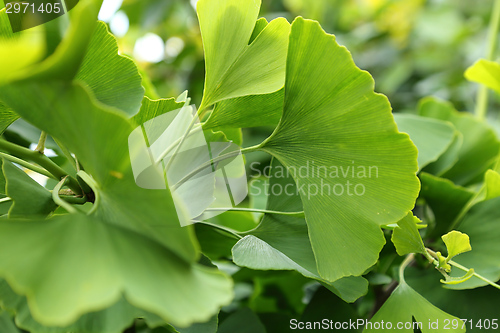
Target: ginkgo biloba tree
(94,252)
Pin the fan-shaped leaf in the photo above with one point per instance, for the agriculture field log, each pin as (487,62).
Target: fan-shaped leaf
(432,137)
(281,242)
(233,67)
(30,199)
(482,225)
(485,72)
(113,78)
(335,125)
(405,304)
(95,264)
(480,146)
(406,237)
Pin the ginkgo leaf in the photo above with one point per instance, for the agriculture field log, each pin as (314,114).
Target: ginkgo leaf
(473,304)
(402,306)
(481,224)
(119,203)
(445,199)
(335,126)
(151,109)
(109,164)
(6,323)
(456,243)
(480,145)
(234,67)
(30,198)
(485,72)
(114,319)
(492,183)
(247,111)
(406,237)
(7,117)
(18,50)
(281,242)
(113,78)
(64,63)
(446,161)
(431,136)
(234,322)
(95,264)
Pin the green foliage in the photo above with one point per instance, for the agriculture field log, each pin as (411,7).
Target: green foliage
(405,304)
(90,251)
(406,237)
(332,134)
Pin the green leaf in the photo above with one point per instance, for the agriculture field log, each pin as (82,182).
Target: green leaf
(445,199)
(281,242)
(325,305)
(18,50)
(234,67)
(406,237)
(432,137)
(7,117)
(485,72)
(151,109)
(480,145)
(456,243)
(114,319)
(62,110)
(334,120)
(446,161)
(30,198)
(6,324)
(403,305)
(113,78)
(481,224)
(149,215)
(95,264)
(64,63)
(492,183)
(207,327)
(234,323)
(474,304)
(247,111)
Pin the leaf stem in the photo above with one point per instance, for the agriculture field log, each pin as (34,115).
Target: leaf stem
(67,153)
(213,161)
(465,209)
(40,147)
(404,264)
(27,165)
(254,210)
(74,199)
(221,228)
(57,199)
(465,269)
(42,160)
(482,94)
(90,182)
